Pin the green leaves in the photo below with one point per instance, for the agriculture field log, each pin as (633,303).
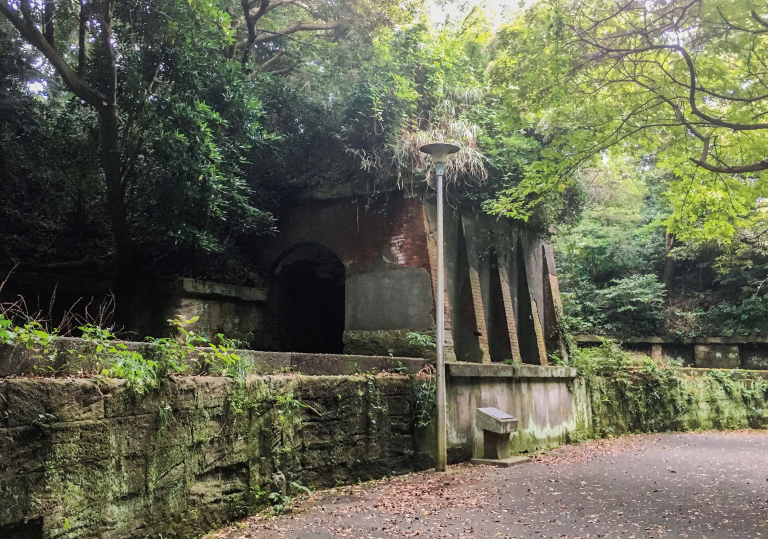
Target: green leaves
(31,335)
(594,78)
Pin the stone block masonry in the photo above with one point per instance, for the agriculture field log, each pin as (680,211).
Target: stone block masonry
(82,459)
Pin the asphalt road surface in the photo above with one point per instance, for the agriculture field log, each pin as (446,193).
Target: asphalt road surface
(698,485)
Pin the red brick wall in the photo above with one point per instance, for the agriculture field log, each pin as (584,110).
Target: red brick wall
(361,231)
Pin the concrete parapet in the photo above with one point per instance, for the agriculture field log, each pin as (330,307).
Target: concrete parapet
(500,370)
(706,352)
(72,357)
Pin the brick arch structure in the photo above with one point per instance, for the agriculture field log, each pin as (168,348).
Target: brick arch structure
(306,299)
(503,303)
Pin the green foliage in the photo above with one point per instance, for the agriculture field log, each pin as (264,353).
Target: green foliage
(31,335)
(633,305)
(596,79)
(298,488)
(746,317)
(210,143)
(425,401)
(419,339)
(116,359)
(142,374)
(605,360)
(634,393)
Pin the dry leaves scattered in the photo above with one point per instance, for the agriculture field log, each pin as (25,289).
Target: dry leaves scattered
(587,451)
(435,493)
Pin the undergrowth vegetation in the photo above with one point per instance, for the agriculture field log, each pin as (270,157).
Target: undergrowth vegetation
(143,367)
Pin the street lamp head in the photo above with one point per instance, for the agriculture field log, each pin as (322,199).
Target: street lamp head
(439,152)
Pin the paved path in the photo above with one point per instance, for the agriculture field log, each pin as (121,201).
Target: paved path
(697,485)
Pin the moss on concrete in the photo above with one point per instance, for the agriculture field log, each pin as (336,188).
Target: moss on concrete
(392,342)
(678,400)
(89,459)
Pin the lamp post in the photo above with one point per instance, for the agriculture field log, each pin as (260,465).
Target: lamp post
(440,152)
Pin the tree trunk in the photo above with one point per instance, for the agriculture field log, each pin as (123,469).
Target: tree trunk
(109,143)
(669,265)
(84,16)
(49,10)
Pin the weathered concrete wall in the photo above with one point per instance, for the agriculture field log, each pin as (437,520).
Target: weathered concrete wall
(695,399)
(389,300)
(549,402)
(238,312)
(85,460)
(750,353)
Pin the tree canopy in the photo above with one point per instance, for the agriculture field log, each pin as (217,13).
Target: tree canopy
(679,83)
(165,103)
(165,137)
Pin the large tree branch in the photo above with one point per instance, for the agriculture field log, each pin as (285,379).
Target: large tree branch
(759,19)
(252,14)
(81,37)
(277,3)
(110,61)
(49,10)
(737,169)
(269,35)
(732,26)
(691,86)
(276,58)
(29,31)
(692,98)
(257,12)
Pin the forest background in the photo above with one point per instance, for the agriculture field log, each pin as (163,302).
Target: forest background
(163,138)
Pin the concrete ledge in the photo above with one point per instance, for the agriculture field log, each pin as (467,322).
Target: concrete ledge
(502,463)
(596,339)
(211,289)
(500,370)
(736,373)
(19,361)
(328,364)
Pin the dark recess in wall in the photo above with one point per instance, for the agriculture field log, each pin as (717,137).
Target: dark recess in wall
(526,331)
(310,285)
(498,336)
(31,529)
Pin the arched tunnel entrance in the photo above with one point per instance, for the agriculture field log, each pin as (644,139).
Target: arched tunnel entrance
(308,296)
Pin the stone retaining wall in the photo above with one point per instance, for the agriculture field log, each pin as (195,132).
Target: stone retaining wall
(84,460)
(696,399)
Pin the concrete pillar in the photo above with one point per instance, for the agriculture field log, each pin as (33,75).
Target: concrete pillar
(509,312)
(474,281)
(539,334)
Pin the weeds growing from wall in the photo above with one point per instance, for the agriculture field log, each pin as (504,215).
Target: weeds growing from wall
(635,393)
(425,397)
(143,371)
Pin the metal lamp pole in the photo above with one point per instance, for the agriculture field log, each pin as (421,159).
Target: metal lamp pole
(440,152)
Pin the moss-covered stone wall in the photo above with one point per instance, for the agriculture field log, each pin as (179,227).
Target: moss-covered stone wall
(678,400)
(84,459)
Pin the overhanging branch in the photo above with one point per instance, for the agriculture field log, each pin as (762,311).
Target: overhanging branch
(30,32)
(739,169)
(269,35)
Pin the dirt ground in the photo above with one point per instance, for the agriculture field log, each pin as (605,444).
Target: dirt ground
(699,485)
